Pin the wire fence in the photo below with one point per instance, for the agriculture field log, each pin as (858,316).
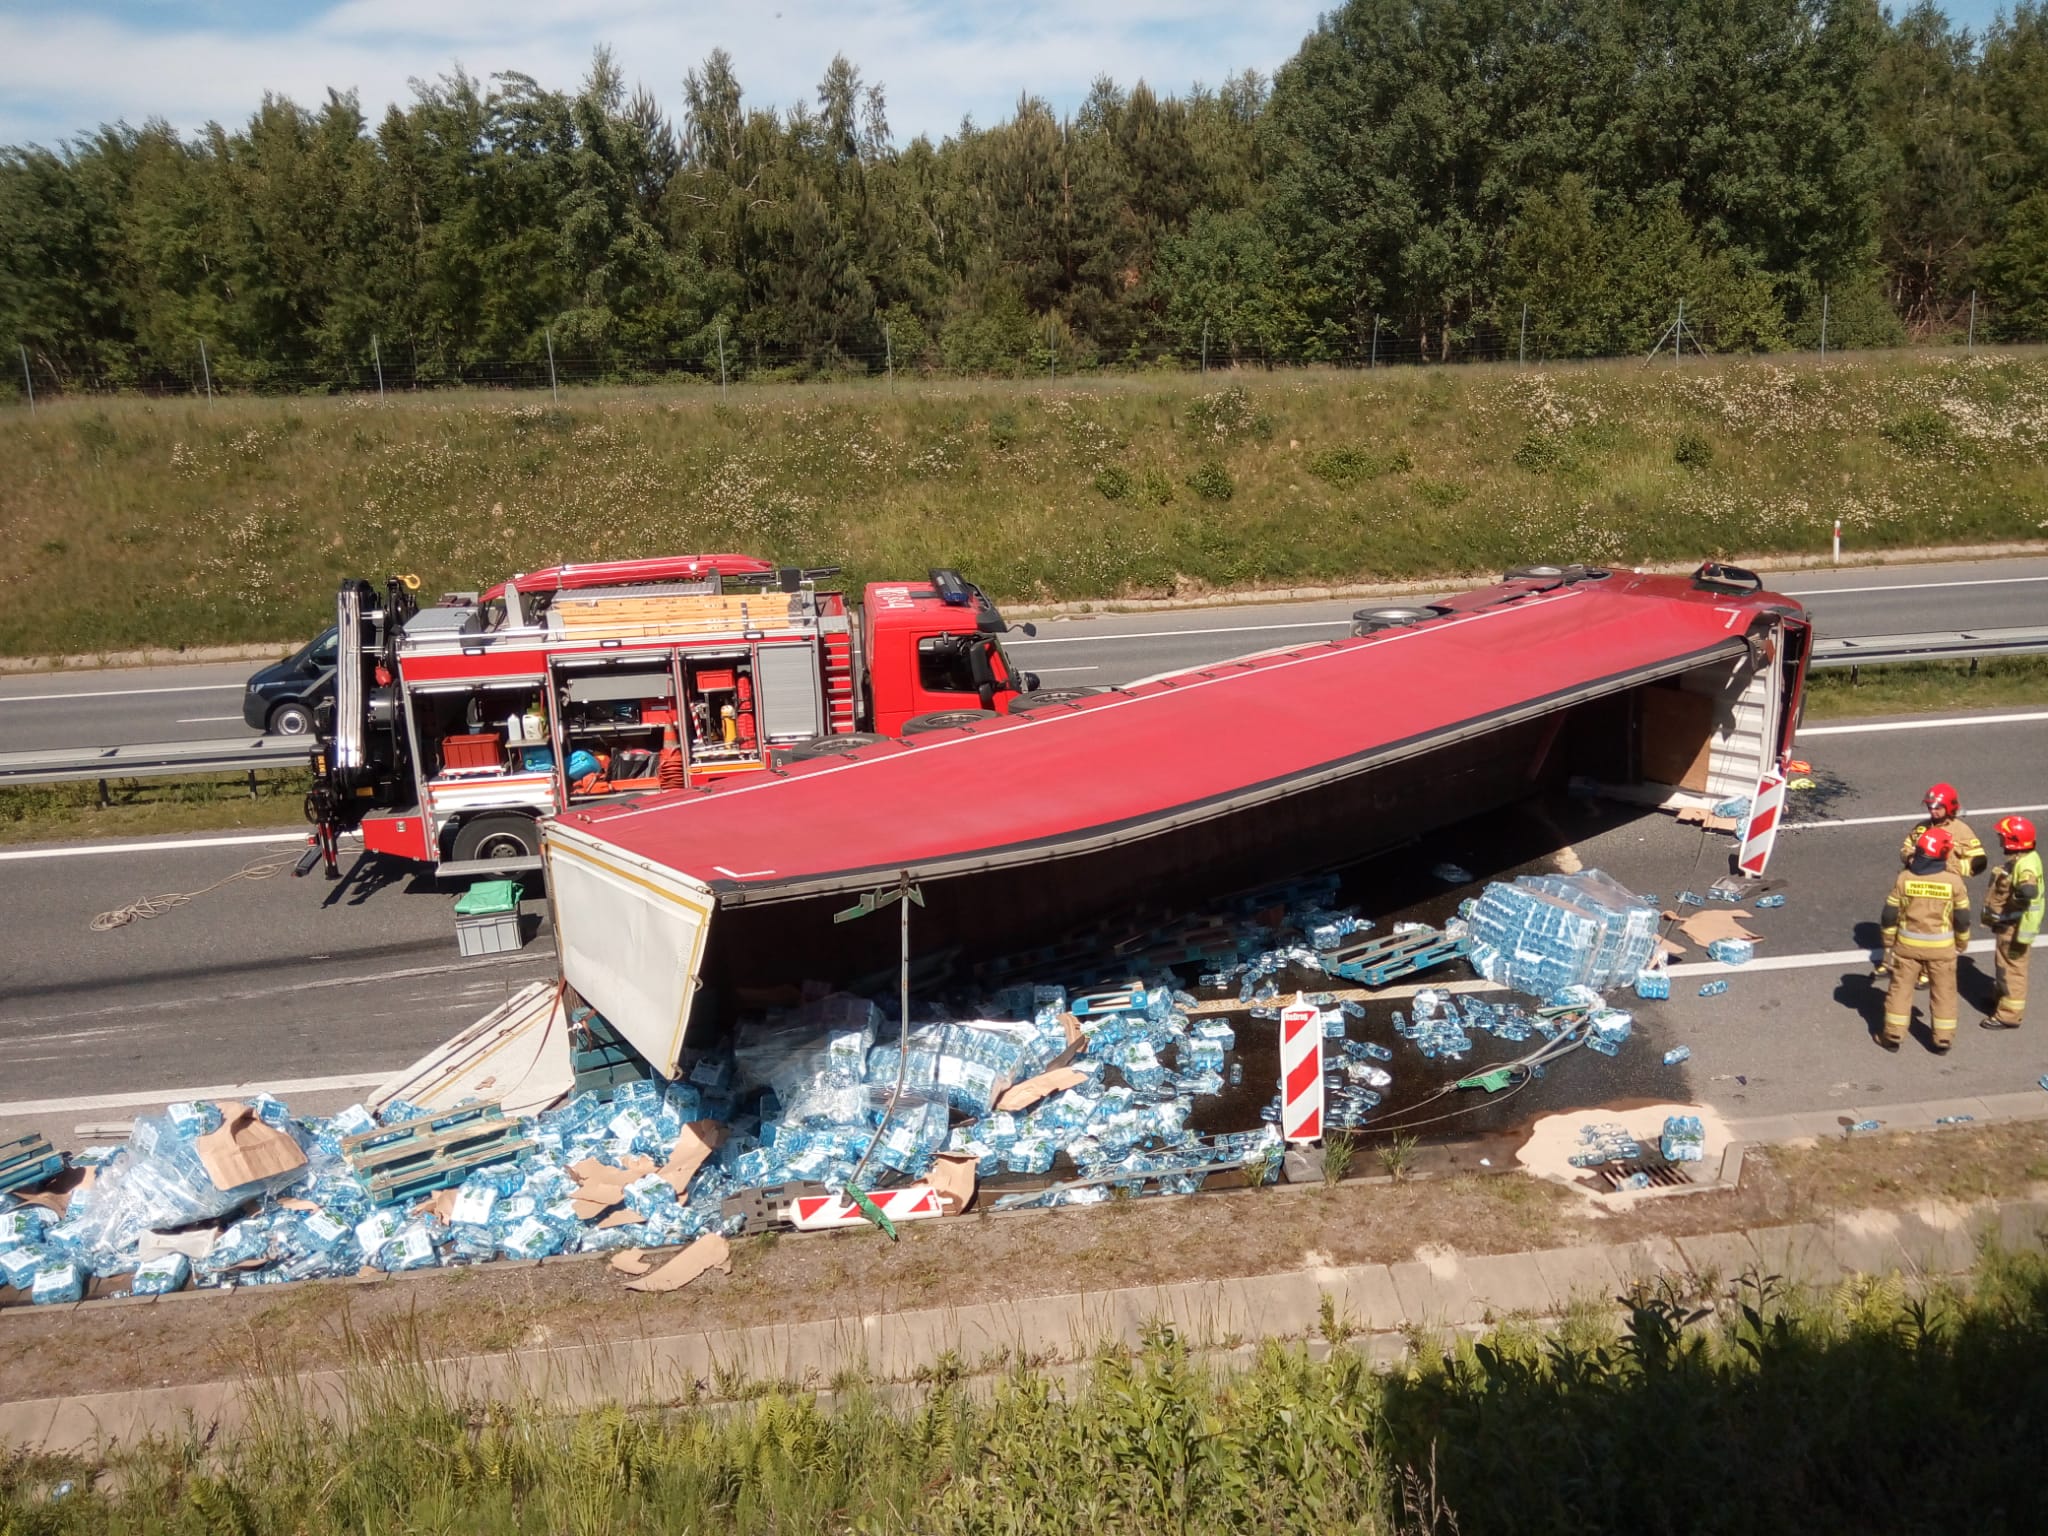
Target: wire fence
(44,374)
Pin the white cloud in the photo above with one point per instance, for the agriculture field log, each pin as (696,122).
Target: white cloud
(65,72)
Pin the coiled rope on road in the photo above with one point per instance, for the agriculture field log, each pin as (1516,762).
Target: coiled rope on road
(263,867)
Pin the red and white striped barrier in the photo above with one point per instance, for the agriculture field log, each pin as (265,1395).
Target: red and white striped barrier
(1760,833)
(814,1213)
(1301,1071)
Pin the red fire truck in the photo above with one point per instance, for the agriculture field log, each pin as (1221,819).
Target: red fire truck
(455,726)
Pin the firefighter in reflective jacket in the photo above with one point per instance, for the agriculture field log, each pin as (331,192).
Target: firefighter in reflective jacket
(2012,911)
(1944,807)
(1926,927)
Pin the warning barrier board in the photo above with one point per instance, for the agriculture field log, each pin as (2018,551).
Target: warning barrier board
(1301,1071)
(815,1213)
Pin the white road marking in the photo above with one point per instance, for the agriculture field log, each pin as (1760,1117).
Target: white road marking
(26,1107)
(118,693)
(1918,586)
(1797,962)
(207,719)
(1907,820)
(1174,634)
(1921,725)
(87,850)
(1048,671)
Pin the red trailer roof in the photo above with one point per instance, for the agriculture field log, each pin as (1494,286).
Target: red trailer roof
(1199,743)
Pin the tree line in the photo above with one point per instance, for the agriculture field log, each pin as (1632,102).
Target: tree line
(1468,176)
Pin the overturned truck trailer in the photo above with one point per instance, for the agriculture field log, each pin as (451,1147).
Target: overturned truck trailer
(670,909)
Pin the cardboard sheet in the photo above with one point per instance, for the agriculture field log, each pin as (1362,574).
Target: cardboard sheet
(1032,1089)
(631,1261)
(710,1251)
(244,1149)
(1710,924)
(699,1140)
(952,1179)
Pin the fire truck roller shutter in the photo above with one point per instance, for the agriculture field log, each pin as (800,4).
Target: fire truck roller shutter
(790,702)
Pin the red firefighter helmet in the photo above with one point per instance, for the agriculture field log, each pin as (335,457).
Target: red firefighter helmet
(1943,801)
(1934,843)
(2017,834)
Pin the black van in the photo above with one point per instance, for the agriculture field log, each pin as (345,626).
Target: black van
(279,699)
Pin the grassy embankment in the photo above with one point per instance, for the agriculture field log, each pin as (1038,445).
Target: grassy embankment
(1874,1408)
(178,523)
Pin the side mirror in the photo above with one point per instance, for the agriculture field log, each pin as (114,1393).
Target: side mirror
(1025,629)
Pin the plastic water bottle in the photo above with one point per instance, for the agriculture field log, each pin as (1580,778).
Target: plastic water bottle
(1764,902)
(1713,989)
(1866,1125)
(1691,899)
(1676,1054)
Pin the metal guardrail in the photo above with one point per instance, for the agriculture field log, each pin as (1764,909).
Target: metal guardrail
(64,765)
(154,760)
(1948,645)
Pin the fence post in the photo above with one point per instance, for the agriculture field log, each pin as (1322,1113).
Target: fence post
(1971,344)
(554,388)
(1522,352)
(206,369)
(889,356)
(28,378)
(1205,349)
(1823,323)
(377,357)
(1052,350)
(1678,335)
(1375,343)
(721,360)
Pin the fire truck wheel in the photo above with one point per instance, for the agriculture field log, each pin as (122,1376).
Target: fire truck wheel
(1044,698)
(293,719)
(831,746)
(496,837)
(946,720)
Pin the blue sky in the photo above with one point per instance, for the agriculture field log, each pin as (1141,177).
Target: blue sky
(67,67)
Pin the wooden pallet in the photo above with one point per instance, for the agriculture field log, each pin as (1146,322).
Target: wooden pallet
(418,1157)
(27,1161)
(1375,962)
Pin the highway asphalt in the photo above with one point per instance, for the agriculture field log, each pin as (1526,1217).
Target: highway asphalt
(289,981)
(203,703)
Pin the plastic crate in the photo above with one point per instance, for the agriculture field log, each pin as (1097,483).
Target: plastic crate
(487,918)
(479,749)
(537,759)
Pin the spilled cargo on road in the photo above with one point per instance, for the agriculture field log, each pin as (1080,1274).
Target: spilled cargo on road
(678,911)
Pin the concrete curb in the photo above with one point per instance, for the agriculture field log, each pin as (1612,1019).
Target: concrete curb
(1385,1310)
(158,656)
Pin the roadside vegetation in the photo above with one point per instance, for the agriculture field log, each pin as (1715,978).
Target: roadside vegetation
(1927,687)
(1875,1407)
(173,522)
(152,807)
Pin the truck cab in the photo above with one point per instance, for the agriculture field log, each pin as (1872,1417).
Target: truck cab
(935,648)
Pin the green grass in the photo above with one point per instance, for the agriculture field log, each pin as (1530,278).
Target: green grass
(1927,687)
(1757,1409)
(139,522)
(149,807)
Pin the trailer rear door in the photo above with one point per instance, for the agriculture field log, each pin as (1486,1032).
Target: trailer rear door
(631,935)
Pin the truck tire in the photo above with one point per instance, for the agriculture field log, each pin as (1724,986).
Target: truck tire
(1045,698)
(506,835)
(946,720)
(291,718)
(831,746)
(1370,621)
